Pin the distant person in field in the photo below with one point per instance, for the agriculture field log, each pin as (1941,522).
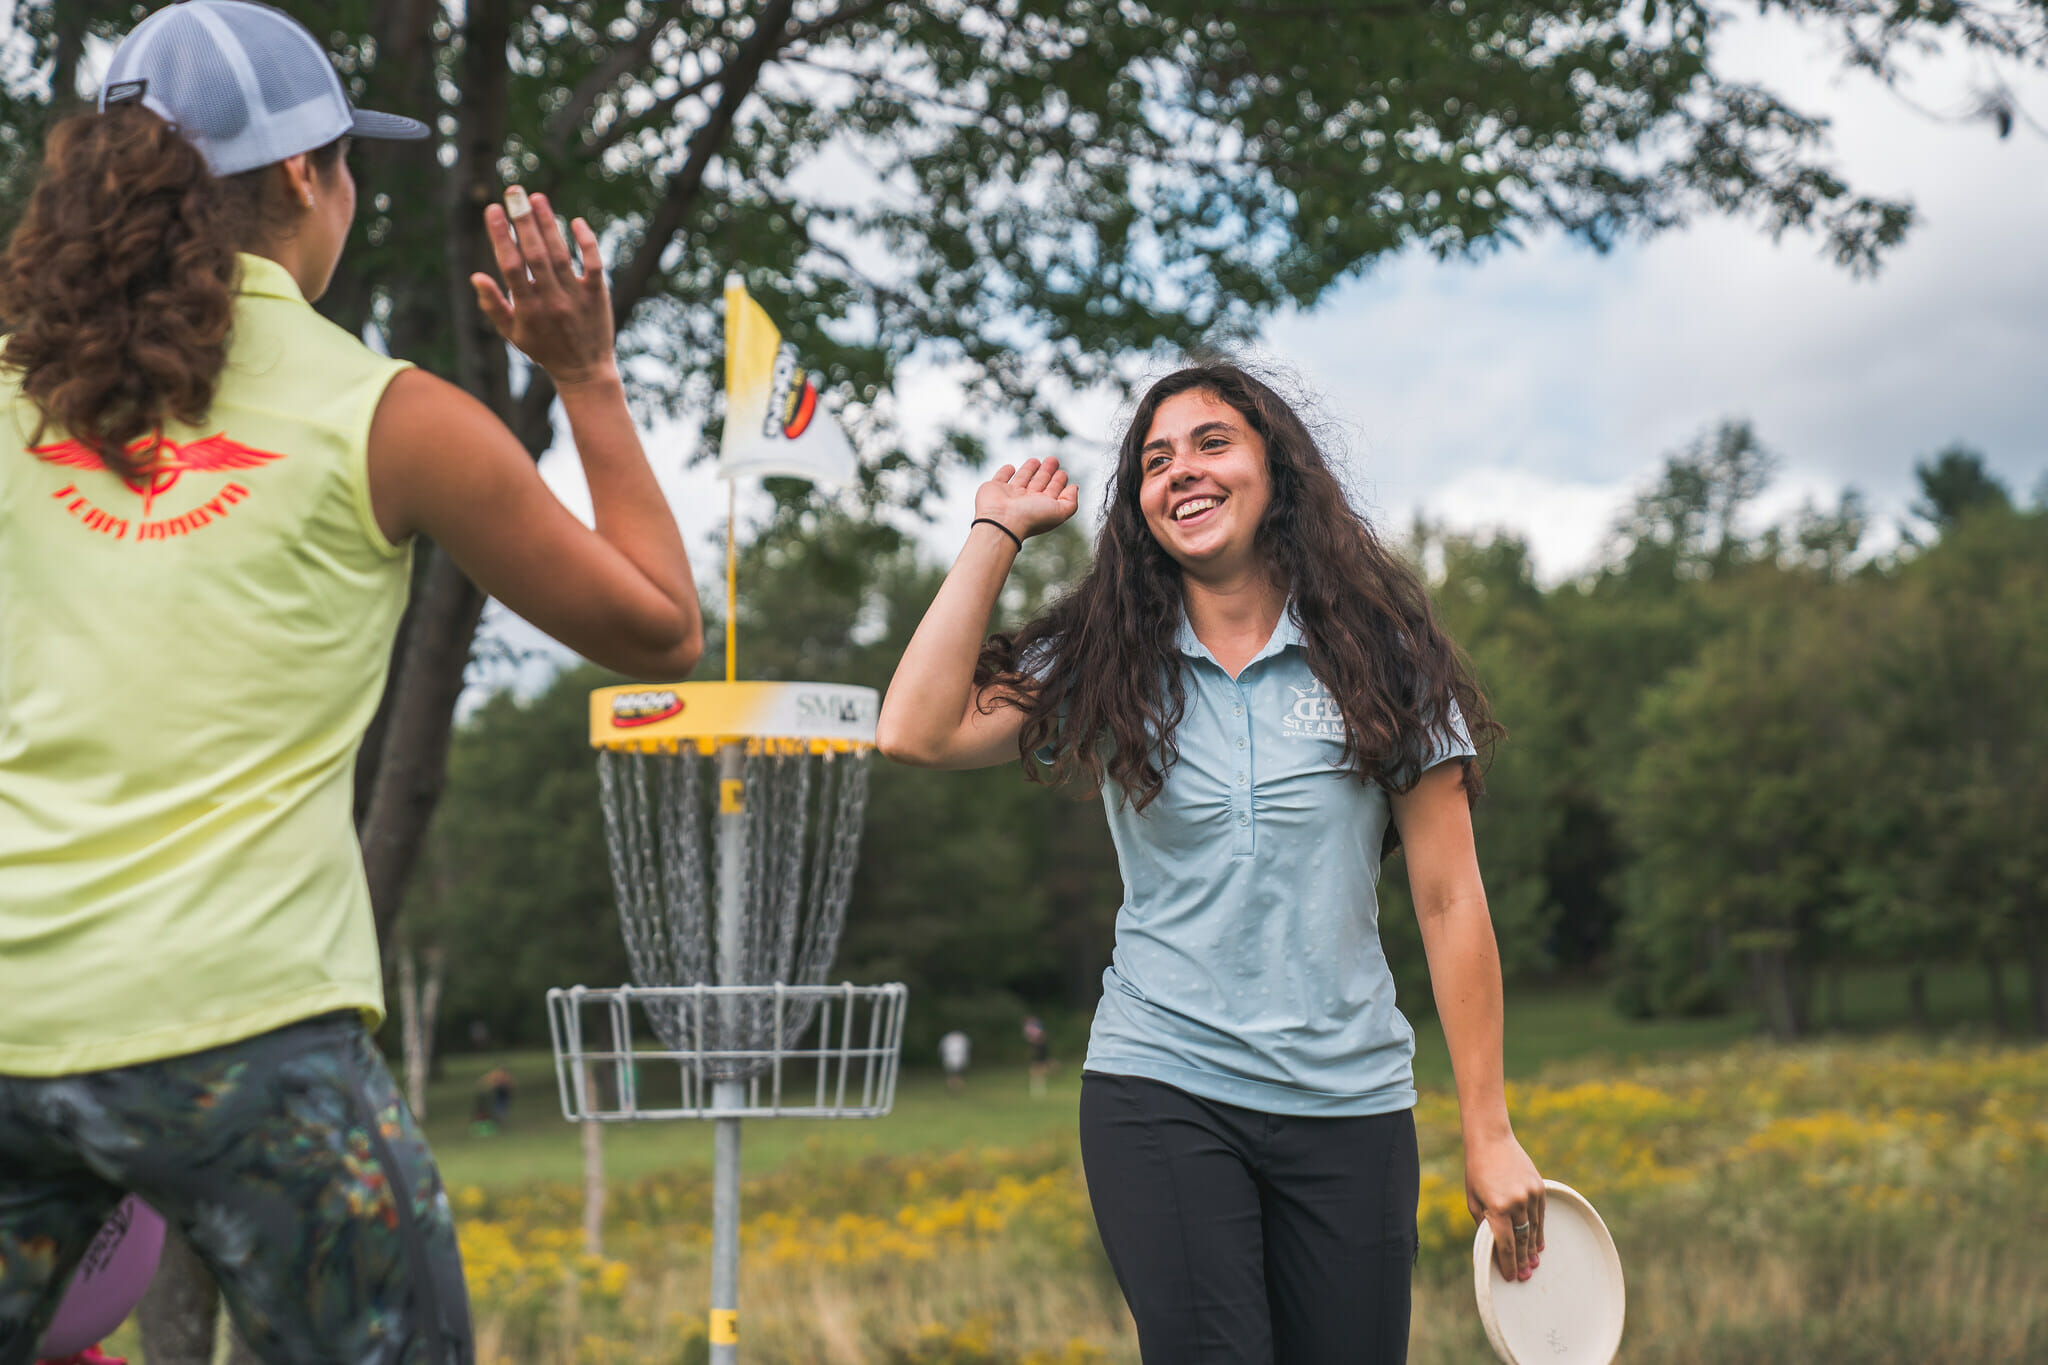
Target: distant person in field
(497,1085)
(1265,699)
(1038,1046)
(953,1050)
(209,496)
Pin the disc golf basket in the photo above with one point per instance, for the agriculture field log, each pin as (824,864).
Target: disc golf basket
(732,816)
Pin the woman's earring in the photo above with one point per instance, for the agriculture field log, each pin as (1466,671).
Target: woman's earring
(307,195)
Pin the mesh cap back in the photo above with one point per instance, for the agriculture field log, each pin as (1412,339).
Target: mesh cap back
(244,83)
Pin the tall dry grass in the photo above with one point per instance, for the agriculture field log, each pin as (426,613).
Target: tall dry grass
(1875,1203)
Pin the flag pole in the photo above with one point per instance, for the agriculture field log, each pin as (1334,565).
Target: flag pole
(732,584)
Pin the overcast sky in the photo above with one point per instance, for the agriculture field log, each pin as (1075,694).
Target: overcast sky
(1538,389)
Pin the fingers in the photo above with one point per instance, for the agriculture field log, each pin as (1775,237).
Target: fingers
(1515,1241)
(532,224)
(493,302)
(593,261)
(1536,1211)
(1504,1245)
(505,249)
(552,244)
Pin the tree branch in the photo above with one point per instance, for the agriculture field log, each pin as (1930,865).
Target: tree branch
(839,18)
(648,117)
(743,73)
(563,123)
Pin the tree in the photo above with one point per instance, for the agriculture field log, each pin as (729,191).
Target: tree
(1034,187)
(1486,596)
(1734,814)
(1955,483)
(1967,664)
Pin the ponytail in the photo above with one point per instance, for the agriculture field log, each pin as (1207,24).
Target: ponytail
(119,282)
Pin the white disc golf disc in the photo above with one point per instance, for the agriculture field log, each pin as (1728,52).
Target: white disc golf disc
(1567,1313)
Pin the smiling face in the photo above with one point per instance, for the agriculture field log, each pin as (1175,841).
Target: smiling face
(1203,485)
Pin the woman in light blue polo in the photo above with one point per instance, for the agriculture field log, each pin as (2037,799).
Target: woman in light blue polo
(1267,702)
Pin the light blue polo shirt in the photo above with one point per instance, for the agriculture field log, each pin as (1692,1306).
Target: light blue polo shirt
(1248,967)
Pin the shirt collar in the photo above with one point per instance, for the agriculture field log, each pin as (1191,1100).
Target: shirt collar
(1287,633)
(261,275)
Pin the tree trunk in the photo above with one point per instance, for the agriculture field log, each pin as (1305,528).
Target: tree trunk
(1994,975)
(179,1316)
(1775,982)
(2037,989)
(417,1008)
(179,1313)
(413,763)
(1916,999)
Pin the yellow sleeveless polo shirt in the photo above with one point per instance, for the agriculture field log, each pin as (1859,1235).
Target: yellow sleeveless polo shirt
(188,661)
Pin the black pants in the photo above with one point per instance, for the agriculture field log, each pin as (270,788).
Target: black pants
(1243,1238)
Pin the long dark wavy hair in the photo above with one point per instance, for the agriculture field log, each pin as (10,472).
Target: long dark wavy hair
(1107,689)
(118,283)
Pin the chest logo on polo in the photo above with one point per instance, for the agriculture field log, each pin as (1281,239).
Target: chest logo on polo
(1313,714)
(170,462)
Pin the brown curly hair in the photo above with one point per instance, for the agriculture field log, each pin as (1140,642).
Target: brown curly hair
(118,283)
(1102,662)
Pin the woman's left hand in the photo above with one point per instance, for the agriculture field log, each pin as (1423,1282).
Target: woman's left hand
(1503,1190)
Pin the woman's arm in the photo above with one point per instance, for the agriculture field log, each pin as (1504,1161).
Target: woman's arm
(442,465)
(933,716)
(1501,1183)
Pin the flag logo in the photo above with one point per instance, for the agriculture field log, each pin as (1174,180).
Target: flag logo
(774,422)
(792,398)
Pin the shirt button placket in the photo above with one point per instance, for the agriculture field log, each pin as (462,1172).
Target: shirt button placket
(1241,797)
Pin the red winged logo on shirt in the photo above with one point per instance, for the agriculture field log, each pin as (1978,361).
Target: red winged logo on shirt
(170,462)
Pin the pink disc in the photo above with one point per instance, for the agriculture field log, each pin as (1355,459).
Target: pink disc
(110,1280)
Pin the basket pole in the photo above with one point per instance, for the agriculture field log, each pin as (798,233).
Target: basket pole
(732,584)
(728,1094)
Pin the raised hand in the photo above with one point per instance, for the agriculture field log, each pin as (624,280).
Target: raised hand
(1030,499)
(560,318)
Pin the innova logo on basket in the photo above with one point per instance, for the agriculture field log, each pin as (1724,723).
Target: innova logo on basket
(646,707)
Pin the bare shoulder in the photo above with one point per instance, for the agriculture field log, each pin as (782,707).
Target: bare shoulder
(433,445)
(419,408)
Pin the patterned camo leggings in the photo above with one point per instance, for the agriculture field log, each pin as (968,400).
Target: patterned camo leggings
(289,1163)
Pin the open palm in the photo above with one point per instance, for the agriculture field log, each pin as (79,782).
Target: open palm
(1030,499)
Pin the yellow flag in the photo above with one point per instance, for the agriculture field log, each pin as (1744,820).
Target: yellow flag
(773,421)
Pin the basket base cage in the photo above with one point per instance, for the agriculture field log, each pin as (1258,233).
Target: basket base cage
(631,1053)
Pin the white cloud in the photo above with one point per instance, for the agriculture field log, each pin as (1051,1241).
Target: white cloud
(1525,389)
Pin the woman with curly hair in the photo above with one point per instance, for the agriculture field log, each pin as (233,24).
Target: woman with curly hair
(1263,696)
(208,498)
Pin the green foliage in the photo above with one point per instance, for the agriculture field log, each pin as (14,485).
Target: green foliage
(1853,770)
(513,884)
(1955,483)
(1735,762)
(1734,807)
(1038,188)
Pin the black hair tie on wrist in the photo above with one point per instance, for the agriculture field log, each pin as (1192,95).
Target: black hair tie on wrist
(991,521)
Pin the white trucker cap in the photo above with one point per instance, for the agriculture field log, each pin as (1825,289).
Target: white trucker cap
(244,83)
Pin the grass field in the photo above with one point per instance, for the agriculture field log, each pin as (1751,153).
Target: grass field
(1872,1198)
(1875,1201)
(1546,1028)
